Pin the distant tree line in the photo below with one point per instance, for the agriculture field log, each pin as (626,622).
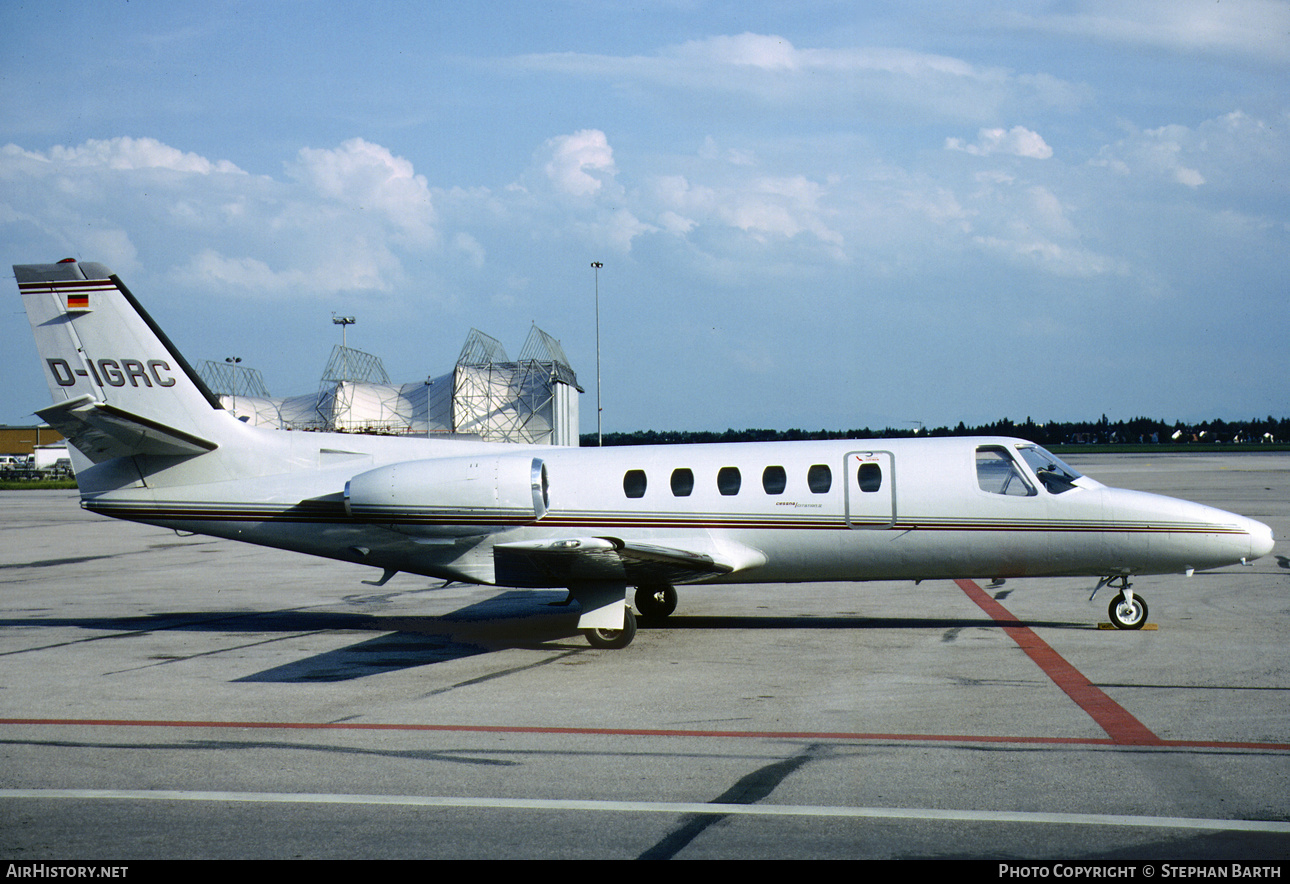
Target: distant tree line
(1138,430)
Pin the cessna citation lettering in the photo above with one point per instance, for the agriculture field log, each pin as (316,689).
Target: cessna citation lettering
(151,443)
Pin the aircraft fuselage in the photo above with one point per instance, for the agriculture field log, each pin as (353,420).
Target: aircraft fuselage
(778,512)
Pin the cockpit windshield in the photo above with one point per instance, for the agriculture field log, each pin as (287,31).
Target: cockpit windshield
(1055,475)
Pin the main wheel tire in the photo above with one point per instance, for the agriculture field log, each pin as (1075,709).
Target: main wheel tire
(1126,615)
(614,639)
(655,602)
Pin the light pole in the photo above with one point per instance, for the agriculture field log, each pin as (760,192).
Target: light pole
(233,362)
(595,266)
(344,322)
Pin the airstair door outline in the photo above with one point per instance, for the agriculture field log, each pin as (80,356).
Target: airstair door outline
(870,495)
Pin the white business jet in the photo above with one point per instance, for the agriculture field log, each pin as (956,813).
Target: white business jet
(151,443)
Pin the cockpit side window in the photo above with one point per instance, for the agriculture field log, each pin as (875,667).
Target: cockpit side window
(998,473)
(1055,475)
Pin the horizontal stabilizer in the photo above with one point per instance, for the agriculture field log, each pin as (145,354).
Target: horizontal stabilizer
(102,432)
(582,559)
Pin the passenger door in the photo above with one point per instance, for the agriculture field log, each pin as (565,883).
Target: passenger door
(870,494)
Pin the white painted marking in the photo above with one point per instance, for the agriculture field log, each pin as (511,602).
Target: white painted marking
(672,807)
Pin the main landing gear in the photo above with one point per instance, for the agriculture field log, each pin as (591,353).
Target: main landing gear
(1128,610)
(614,639)
(654,601)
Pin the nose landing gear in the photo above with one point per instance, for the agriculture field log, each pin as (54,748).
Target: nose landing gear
(1127,610)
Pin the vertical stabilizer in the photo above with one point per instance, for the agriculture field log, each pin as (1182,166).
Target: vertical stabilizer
(119,386)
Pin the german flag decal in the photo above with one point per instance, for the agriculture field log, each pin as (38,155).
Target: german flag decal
(77,294)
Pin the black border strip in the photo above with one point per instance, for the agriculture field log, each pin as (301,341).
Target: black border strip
(210,397)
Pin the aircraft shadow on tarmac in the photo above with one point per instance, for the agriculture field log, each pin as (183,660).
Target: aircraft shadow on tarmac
(517,619)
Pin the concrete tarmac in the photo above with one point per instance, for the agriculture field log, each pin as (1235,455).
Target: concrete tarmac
(185,697)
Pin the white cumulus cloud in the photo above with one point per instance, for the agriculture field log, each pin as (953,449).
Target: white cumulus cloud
(127,153)
(368,177)
(1017,141)
(579,164)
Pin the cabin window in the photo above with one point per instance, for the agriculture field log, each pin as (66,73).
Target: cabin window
(774,480)
(634,483)
(869,476)
(819,478)
(682,482)
(728,481)
(998,473)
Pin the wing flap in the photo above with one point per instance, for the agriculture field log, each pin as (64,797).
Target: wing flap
(102,432)
(571,560)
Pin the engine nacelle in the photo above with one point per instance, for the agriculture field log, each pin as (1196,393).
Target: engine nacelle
(484,491)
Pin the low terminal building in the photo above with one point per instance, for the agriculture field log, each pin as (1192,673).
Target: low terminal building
(23,441)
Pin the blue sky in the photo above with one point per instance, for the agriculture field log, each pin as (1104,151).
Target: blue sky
(818,214)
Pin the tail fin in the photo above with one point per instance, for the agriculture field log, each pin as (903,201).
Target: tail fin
(119,386)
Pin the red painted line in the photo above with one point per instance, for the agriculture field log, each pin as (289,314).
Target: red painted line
(641,732)
(1123,728)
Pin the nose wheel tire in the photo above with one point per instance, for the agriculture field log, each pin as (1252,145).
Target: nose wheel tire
(1127,614)
(614,639)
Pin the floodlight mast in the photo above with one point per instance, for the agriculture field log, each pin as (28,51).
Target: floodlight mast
(344,322)
(234,361)
(600,439)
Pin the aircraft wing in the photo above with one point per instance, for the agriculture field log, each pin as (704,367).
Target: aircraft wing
(597,559)
(102,432)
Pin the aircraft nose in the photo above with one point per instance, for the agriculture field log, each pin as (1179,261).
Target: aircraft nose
(1261,542)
